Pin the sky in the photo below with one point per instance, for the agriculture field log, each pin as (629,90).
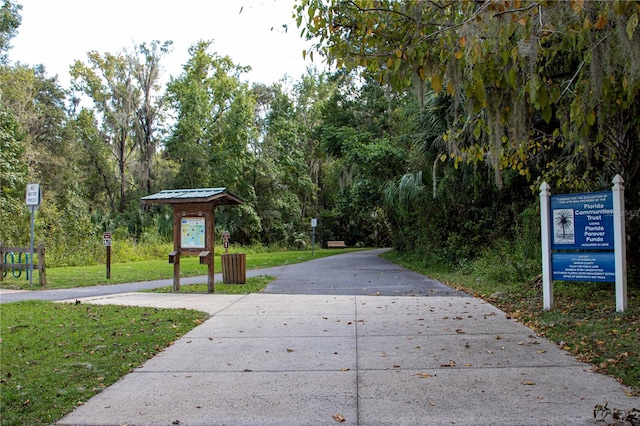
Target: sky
(55,33)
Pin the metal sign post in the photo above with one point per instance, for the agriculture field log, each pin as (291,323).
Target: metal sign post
(106,239)
(314,224)
(33,199)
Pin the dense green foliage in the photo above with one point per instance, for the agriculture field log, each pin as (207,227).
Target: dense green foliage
(432,134)
(543,90)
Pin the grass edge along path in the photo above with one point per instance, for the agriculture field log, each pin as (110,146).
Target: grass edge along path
(149,270)
(583,321)
(56,356)
(253,285)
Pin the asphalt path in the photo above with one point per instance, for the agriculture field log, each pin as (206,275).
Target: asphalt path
(362,273)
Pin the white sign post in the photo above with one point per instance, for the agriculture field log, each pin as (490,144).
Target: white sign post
(33,199)
(547,283)
(620,244)
(314,224)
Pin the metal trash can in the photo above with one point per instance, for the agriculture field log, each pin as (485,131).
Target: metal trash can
(234,268)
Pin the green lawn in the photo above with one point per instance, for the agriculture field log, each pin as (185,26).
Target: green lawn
(84,276)
(56,356)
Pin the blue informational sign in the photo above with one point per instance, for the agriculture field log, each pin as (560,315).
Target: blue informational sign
(585,266)
(582,221)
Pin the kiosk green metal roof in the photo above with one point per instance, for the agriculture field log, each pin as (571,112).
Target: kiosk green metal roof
(216,196)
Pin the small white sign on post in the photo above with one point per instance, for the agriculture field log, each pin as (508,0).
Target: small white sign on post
(314,224)
(33,195)
(33,198)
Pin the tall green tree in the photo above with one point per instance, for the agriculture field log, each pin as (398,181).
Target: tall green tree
(146,66)
(13,180)
(95,163)
(109,82)
(10,20)
(281,176)
(38,103)
(205,97)
(363,134)
(311,93)
(213,130)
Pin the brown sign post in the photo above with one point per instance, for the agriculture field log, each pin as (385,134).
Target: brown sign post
(106,239)
(193,225)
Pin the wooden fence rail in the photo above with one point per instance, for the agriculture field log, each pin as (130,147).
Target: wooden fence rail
(8,261)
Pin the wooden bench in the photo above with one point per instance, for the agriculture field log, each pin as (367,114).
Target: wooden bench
(336,244)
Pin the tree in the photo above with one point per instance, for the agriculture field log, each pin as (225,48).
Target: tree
(10,20)
(145,63)
(490,53)
(550,90)
(94,161)
(281,176)
(310,94)
(203,97)
(108,80)
(47,151)
(214,127)
(37,102)
(362,135)
(13,180)
(564,221)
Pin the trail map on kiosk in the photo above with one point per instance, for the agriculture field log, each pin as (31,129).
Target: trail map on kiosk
(192,232)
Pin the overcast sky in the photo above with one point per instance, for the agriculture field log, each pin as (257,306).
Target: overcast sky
(57,32)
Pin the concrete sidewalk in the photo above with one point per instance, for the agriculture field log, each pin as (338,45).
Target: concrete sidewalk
(279,359)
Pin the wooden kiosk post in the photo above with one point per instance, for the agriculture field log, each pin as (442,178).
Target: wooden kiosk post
(193,225)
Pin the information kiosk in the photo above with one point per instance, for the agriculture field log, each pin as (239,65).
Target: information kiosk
(193,225)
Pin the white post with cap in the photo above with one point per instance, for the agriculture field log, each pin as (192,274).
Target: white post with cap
(547,283)
(619,243)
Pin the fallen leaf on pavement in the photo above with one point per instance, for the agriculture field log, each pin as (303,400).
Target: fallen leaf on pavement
(338,418)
